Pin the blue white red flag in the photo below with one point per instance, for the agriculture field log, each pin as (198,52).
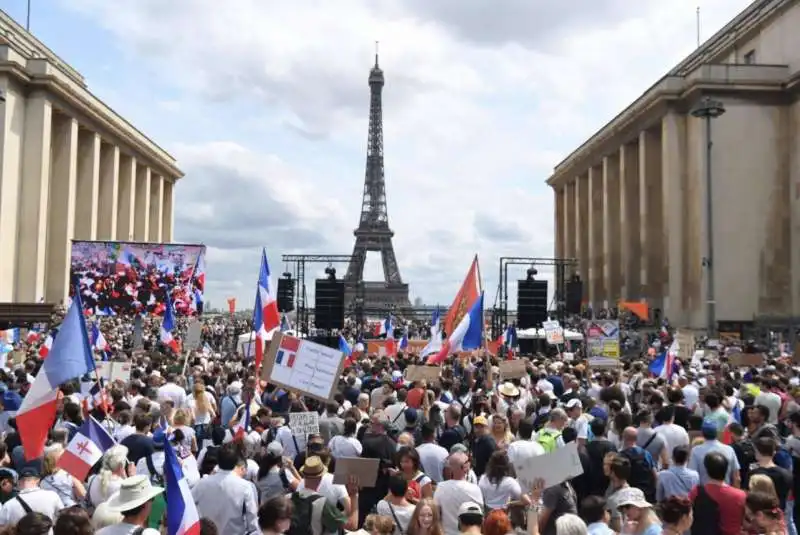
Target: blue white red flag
(182,515)
(70,356)
(467,335)
(168,325)
(270,315)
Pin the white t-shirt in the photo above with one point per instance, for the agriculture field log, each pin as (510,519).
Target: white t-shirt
(772,402)
(496,496)
(673,435)
(432,457)
(335,494)
(401,515)
(449,496)
(342,446)
(95,488)
(174,393)
(581,426)
(690,395)
(520,452)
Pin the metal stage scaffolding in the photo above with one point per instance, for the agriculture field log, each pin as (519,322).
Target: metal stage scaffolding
(300,261)
(500,309)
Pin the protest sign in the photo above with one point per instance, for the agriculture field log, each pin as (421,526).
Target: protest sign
(430,374)
(303,424)
(193,335)
(553,332)
(556,467)
(365,470)
(306,367)
(513,369)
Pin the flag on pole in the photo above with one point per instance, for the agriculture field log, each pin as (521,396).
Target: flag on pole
(468,334)
(182,515)
(85,449)
(70,357)
(467,295)
(270,315)
(435,343)
(168,325)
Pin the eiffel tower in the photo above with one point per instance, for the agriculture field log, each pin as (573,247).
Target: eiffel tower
(373,232)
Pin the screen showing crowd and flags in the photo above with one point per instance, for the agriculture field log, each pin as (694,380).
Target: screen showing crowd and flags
(119,278)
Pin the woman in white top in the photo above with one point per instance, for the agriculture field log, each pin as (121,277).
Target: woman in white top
(496,484)
(395,505)
(115,469)
(69,488)
(204,410)
(181,420)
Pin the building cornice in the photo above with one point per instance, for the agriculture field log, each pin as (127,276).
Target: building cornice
(755,16)
(37,67)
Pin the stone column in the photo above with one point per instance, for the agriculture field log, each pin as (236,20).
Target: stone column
(12,112)
(569,220)
(169,205)
(673,146)
(127,197)
(63,189)
(558,194)
(87,202)
(650,209)
(611,229)
(141,220)
(33,199)
(630,224)
(564,219)
(596,290)
(109,192)
(156,207)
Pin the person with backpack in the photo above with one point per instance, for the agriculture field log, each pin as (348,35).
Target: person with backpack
(549,437)
(718,508)
(643,467)
(313,511)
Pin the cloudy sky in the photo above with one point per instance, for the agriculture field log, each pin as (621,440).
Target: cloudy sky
(264,104)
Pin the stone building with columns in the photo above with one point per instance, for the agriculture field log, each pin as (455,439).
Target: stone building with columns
(630,203)
(70,168)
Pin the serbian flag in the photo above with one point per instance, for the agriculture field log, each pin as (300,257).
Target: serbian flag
(70,357)
(270,315)
(168,325)
(44,349)
(95,396)
(466,297)
(182,516)
(258,327)
(468,334)
(85,449)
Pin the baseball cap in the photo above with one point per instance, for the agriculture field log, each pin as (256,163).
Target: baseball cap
(275,448)
(709,430)
(574,402)
(480,420)
(470,508)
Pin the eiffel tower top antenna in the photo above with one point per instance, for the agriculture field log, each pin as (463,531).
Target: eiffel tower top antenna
(377,44)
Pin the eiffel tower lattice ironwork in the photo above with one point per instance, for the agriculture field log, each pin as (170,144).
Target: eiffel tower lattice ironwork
(373,232)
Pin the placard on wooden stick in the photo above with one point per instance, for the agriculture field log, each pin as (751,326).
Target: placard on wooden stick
(429,374)
(513,369)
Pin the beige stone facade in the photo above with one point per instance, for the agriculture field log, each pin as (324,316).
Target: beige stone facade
(630,202)
(70,168)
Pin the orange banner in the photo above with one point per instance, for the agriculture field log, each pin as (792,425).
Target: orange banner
(466,296)
(231,305)
(640,309)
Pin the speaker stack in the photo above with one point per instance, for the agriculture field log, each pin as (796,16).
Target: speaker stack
(531,303)
(574,296)
(285,295)
(329,304)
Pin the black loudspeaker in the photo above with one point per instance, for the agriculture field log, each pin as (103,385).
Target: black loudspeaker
(285,295)
(574,297)
(329,304)
(531,303)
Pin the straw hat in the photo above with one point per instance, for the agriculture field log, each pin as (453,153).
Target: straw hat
(135,491)
(509,389)
(313,467)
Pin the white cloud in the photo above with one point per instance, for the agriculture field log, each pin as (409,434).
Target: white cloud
(480,104)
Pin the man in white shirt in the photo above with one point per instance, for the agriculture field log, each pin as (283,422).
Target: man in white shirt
(579,421)
(171,391)
(520,452)
(452,493)
(30,498)
(673,434)
(431,455)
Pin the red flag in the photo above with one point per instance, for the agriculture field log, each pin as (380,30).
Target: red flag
(467,295)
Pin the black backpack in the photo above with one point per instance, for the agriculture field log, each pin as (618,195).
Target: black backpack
(706,514)
(302,512)
(641,472)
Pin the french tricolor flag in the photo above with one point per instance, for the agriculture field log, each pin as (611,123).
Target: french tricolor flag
(258,327)
(404,342)
(99,341)
(85,449)
(182,516)
(168,325)
(70,357)
(384,328)
(242,428)
(435,343)
(270,315)
(95,396)
(467,335)
(346,350)
(508,339)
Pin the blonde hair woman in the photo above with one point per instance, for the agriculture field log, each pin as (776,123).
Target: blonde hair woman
(501,431)
(113,471)
(204,409)
(181,420)
(762,483)
(69,488)
(425,520)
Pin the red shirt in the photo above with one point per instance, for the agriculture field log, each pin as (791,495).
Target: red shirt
(414,398)
(731,506)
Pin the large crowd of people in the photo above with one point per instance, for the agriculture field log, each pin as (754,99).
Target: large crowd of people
(711,450)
